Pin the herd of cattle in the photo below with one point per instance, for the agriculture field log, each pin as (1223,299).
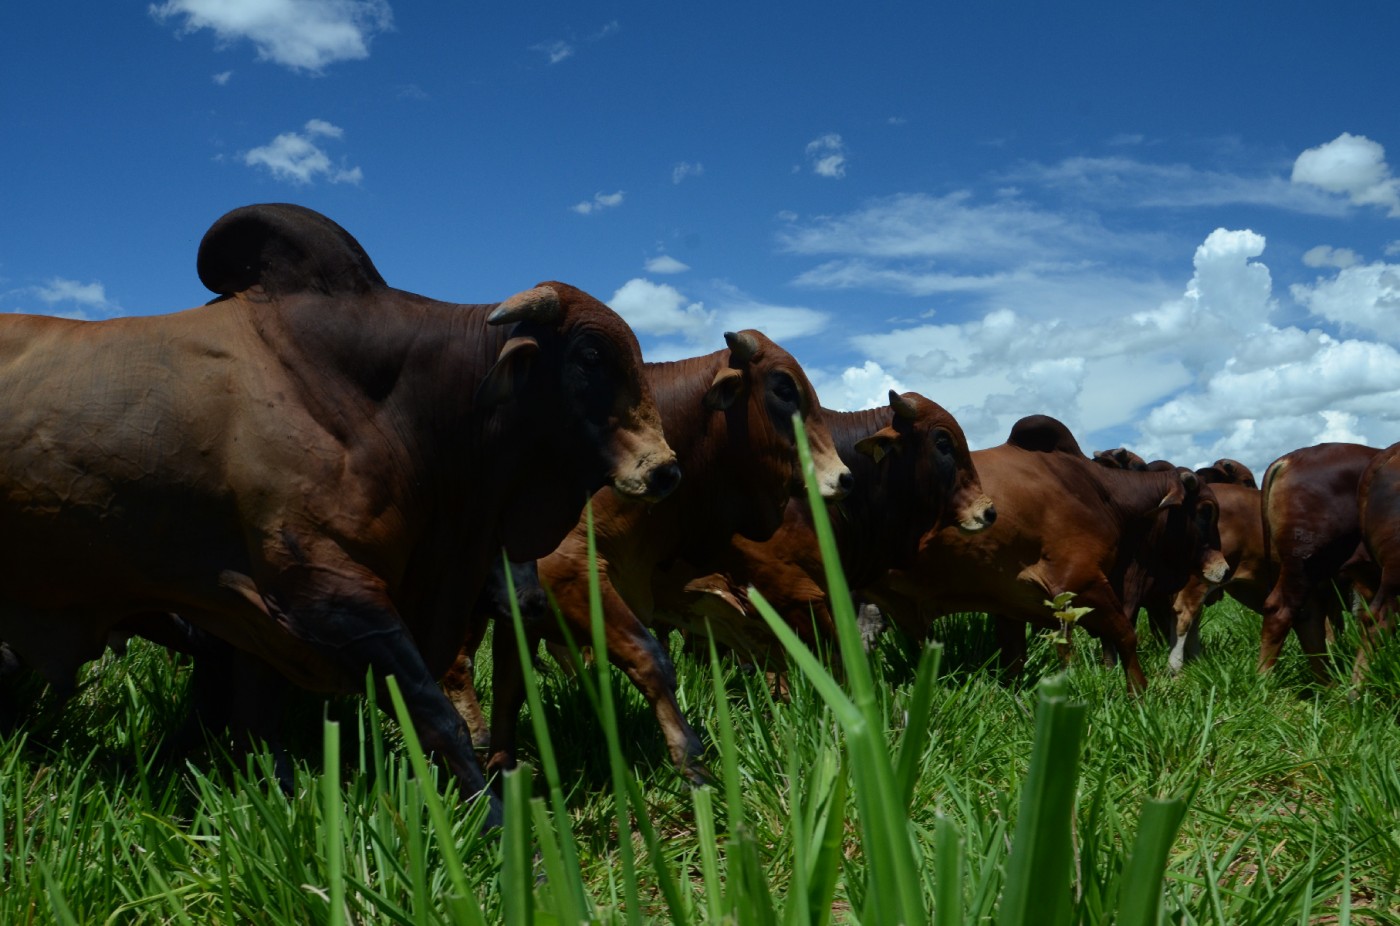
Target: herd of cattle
(314,475)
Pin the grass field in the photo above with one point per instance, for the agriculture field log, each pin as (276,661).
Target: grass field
(1293,810)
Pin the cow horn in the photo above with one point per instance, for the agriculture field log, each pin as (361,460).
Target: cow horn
(903,408)
(540,304)
(743,346)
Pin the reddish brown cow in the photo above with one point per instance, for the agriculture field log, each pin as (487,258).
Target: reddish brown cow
(315,468)
(1063,524)
(913,474)
(1312,533)
(1378,507)
(729,417)
(1228,471)
(1249,579)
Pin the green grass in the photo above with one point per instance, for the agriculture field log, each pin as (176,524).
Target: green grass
(917,790)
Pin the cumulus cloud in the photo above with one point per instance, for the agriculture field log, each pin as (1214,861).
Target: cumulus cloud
(686,169)
(296,156)
(1326,256)
(304,35)
(827,156)
(599,202)
(665,263)
(1201,375)
(1362,299)
(671,325)
(1353,166)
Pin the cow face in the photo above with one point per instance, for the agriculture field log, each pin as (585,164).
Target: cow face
(758,392)
(927,465)
(570,353)
(1195,515)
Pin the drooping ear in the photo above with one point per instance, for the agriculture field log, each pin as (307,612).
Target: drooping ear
(540,304)
(878,444)
(725,390)
(509,371)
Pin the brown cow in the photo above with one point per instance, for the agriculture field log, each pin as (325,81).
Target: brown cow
(1312,533)
(1378,508)
(729,417)
(315,468)
(913,474)
(1228,471)
(1063,524)
(1249,579)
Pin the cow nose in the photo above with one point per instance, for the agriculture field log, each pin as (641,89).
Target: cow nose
(845,482)
(990,515)
(664,480)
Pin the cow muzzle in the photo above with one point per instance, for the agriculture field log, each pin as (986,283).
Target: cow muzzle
(1215,569)
(650,478)
(980,515)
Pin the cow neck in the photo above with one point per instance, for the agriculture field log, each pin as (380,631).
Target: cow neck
(1133,493)
(867,527)
(678,388)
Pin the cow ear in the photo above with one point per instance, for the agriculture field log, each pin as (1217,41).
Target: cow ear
(511,368)
(878,444)
(725,390)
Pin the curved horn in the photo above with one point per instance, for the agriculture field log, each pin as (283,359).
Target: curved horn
(743,347)
(903,408)
(540,304)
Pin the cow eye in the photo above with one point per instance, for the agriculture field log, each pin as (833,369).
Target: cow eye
(590,357)
(785,389)
(943,443)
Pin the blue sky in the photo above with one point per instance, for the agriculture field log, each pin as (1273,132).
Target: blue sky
(1174,228)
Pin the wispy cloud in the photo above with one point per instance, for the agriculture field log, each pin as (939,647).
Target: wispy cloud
(599,202)
(304,35)
(665,263)
(296,156)
(686,169)
(558,50)
(222,78)
(827,156)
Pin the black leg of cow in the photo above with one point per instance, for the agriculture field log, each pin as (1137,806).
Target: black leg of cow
(1011,644)
(507,696)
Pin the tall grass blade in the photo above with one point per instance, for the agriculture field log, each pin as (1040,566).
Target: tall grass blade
(333,810)
(1140,900)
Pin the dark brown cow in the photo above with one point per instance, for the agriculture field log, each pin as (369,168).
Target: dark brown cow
(913,474)
(1378,507)
(1120,458)
(1313,534)
(315,468)
(729,417)
(1249,579)
(1063,524)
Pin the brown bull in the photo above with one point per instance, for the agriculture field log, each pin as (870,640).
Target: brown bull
(729,417)
(315,468)
(1249,579)
(913,474)
(1063,524)
(1378,508)
(1312,533)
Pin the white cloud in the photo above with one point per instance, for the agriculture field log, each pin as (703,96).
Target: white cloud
(555,51)
(222,78)
(864,386)
(58,290)
(598,202)
(304,35)
(665,263)
(1353,166)
(827,156)
(294,156)
(1327,256)
(686,169)
(671,325)
(1359,299)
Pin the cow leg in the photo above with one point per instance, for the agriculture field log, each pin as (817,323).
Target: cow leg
(1107,621)
(1011,645)
(1187,607)
(507,697)
(1375,620)
(1285,600)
